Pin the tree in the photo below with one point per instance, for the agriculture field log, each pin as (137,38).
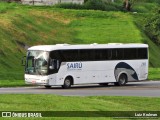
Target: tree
(152,27)
(59,1)
(127,5)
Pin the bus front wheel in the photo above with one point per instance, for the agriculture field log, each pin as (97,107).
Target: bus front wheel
(67,83)
(122,80)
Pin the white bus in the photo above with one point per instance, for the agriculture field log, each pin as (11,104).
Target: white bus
(66,65)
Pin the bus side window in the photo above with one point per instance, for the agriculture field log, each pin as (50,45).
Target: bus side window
(109,54)
(114,54)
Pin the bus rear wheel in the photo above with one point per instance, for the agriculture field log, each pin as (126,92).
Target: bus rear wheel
(122,80)
(67,83)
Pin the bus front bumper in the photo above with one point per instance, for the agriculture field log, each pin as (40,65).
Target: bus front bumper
(36,82)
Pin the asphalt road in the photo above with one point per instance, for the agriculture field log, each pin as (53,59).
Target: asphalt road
(145,88)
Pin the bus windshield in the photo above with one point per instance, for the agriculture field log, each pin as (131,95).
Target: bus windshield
(37,62)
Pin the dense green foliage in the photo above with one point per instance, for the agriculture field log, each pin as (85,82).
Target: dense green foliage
(140,6)
(152,27)
(93,5)
(69,6)
(5,6)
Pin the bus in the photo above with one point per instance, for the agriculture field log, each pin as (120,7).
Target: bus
(66,65)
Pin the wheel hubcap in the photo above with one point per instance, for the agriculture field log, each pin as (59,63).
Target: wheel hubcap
(122,80)
(67,82)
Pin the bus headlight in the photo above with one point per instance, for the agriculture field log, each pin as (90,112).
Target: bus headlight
(44,81)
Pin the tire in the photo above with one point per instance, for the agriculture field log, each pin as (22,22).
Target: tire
(103,84)
(122,80)
(47,86)
(67,83)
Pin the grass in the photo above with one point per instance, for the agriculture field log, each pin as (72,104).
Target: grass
(154,73)
(86,30)
(63,103)
(12,83)
(23,26)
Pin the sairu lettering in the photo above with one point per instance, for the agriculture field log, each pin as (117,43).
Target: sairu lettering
(74,65)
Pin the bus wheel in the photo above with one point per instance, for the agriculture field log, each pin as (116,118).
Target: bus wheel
(122,80)
(47,86)
(67,83)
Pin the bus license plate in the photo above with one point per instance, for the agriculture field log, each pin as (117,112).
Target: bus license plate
(33,81)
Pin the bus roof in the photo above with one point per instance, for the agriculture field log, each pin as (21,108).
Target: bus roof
(87,46)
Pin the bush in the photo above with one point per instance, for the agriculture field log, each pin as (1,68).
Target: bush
(6,6)
(152,1)
(152,27)
(69,6)
(105,5)
(92,4)
(95,5)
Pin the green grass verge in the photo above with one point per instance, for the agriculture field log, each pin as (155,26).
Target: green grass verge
(64,103)
(12,83)
(154,74)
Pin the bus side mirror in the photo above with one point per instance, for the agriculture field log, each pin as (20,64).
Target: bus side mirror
(51,67)
(23,63)
(54,64)
(51,64)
